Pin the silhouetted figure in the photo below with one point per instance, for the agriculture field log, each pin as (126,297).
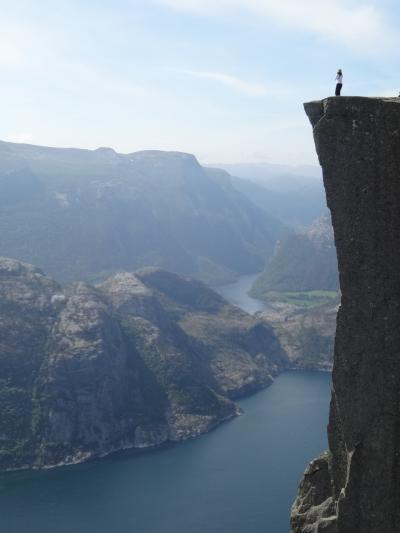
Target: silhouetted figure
(339,82)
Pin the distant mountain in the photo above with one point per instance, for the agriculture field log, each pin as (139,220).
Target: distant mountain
(282,178)
(295,208)
(82,215)
(290,197)
(302,262)
(139,360)
(283,213)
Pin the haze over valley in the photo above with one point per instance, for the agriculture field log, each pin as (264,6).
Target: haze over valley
(114,332)
(82,214)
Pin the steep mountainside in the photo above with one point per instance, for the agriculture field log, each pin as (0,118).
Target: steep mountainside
(139,360)
(295,208)
(306,335)
(293,195)
(261,198)
(355,487)
(83,215)
(302,262)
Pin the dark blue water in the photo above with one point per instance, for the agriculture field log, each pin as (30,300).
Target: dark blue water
(241,478)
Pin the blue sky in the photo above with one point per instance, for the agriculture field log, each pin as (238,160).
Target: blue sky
(223,79)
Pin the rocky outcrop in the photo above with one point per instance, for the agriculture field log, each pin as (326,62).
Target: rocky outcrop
(85,371)
(314,509)
(358,144)
(306,335)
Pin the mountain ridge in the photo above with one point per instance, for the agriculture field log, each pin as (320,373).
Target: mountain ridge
(85,214)
(137,361)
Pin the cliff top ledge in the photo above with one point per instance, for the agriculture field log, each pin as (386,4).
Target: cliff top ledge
(345,106)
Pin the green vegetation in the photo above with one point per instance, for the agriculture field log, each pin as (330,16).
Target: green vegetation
(305,299)
(15,410)
(301,263)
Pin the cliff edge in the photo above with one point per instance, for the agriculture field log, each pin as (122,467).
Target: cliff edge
(355,487)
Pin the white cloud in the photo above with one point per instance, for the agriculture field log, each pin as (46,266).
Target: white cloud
(355,24)
(245,87)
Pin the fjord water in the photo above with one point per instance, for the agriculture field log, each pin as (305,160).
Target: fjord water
(240,478)
(237,294)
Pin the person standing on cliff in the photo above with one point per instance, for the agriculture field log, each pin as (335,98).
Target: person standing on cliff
(339,82)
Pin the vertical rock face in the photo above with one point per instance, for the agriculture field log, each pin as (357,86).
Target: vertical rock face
(355,488)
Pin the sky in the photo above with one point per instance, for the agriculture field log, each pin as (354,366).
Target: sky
(222,79)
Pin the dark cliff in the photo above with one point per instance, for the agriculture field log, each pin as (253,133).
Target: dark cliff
(355,487)
(137,361)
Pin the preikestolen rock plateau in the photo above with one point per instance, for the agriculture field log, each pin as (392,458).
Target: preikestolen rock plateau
(355,487)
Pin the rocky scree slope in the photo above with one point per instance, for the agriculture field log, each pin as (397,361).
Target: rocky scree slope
(136,361)
(86,214)
(355,487)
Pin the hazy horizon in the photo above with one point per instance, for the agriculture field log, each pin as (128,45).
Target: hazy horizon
(224,81)
(253,171)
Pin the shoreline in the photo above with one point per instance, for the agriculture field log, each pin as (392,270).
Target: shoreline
(165,444)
